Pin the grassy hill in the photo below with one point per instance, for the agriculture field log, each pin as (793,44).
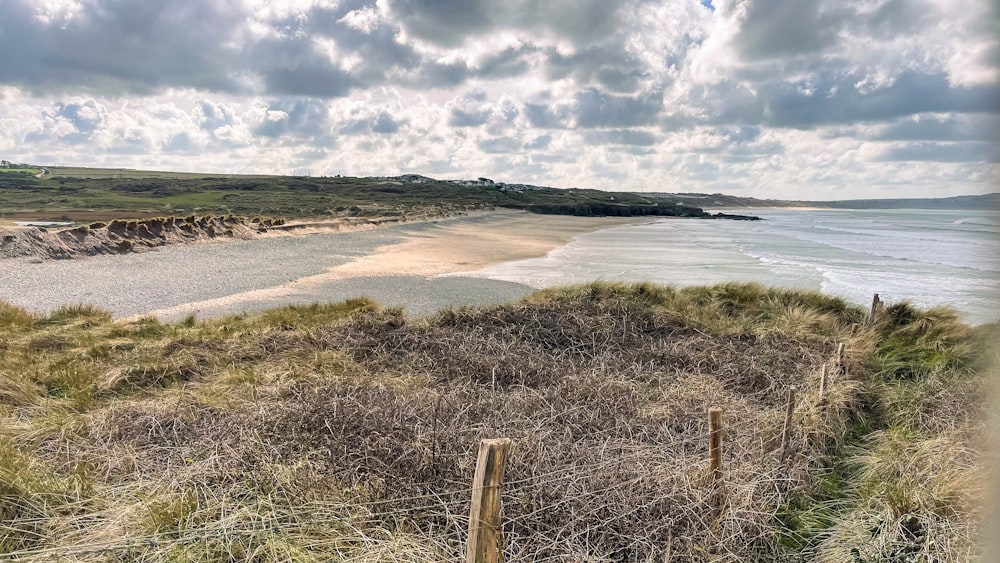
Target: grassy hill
(91,194)
(347,432)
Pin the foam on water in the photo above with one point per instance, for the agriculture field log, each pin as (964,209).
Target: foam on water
(928,257)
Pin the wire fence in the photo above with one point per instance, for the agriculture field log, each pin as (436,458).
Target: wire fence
(672,492)
(355,520)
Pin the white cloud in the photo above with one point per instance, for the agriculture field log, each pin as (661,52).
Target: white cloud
(365,19)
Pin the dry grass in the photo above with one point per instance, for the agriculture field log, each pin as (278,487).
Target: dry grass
(343,432)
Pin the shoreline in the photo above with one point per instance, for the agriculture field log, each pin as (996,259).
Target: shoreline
(425,250)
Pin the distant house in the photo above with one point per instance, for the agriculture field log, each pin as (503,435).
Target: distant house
(413,178)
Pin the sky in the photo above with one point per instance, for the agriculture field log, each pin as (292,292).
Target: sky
(807,99)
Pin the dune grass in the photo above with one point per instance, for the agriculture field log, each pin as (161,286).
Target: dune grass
(348,432)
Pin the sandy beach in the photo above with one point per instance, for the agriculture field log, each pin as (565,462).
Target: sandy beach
(407,266)
(459,245)
(398,265)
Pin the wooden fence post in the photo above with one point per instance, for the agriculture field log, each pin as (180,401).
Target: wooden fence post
(715,443)
(841,368)
(822,383)
(484,517)
(875,307)
(786,431)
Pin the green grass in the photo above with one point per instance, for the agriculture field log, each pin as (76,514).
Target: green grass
(343,431)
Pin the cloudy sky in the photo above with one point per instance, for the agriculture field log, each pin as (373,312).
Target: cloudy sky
(775,98)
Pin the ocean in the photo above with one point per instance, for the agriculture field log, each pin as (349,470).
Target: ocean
(926,257)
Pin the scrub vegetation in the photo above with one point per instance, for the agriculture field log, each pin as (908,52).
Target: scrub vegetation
(348,432)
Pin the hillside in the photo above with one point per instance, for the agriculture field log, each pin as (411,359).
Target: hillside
(347,432)
(80,195)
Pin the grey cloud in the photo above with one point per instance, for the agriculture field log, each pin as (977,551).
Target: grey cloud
(611,67)
(979,128)
(500,145)
(381,123)
(114,46)
(621,137)
(212,115)
(470,109)
(385,124)
(446,22)
(307,118)
(546,116)
(318,79)
(451,22)
(506,63)
(784,28)
(580,20)
(379,48)
(432,74)
(943,152)
(460,118)
(739,144)
(594,108)
(897,17)
(910,94)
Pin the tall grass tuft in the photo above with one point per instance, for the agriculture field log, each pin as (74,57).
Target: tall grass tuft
(78,314)
(14,318)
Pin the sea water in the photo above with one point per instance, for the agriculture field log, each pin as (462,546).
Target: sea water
(926,257)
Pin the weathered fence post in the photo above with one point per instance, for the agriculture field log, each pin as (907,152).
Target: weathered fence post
(876,302)
(484,517)
(715,443)
(786,431)
(822,383)
(841,368)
